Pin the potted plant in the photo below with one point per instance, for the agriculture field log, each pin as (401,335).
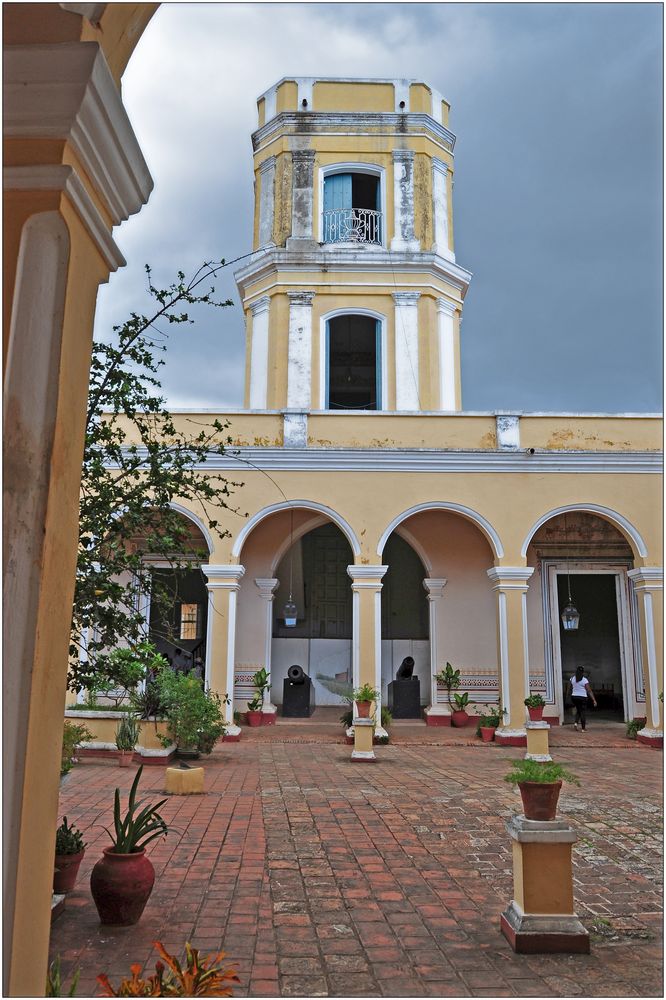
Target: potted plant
(212,722)
(69,851)
(253,714)
(450,679)
(127,737)
(459,716)
(122,880)
(185,709)
(535,705)
(364,696)
(487,724)
(539,784)
(261,681)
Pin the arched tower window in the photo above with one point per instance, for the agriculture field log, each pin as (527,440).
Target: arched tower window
(352,208)
(353,363)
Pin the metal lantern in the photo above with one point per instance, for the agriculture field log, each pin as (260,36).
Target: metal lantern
(289,613)
(570,617)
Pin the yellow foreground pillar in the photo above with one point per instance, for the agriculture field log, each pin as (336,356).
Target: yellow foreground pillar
(510,585)
(223,583)
(363,740)
(648,583)
(537,741)
(540,917)
(184,781)
(367,631)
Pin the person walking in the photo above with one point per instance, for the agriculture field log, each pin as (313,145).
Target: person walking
(579,690)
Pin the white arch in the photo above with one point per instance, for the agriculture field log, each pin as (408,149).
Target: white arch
(312,522)
(191,516)
(296,505)
(592,508)
(455,508)
(408,537)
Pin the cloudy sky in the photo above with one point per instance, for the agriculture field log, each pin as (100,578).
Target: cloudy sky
(557,203)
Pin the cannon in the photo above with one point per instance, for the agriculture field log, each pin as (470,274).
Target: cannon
(406,669)
(404,693)
(298,696)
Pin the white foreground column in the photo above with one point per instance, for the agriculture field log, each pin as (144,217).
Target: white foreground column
(223,583)
(446,312)
(259,354)
(299,362)
(437,713)
(403,201)
(267,587)
(406,350)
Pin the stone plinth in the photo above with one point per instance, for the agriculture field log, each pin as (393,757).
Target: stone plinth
(537,741)
(364,730)
(184,780)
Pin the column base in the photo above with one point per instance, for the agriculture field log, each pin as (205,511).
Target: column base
(184,781)
(57,905)
(232,734)
(535,934)
(651,738)
(511,737)
(363,755)
(269,715)
(437,715)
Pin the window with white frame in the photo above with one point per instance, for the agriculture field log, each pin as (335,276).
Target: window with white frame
(353,378)
(352,207)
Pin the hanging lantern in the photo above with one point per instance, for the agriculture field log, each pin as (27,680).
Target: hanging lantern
(289,613)
(570,617)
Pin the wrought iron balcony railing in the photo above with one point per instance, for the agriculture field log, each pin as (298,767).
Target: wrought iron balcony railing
(353,225)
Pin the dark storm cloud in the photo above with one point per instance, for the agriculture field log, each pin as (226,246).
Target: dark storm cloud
(557,203)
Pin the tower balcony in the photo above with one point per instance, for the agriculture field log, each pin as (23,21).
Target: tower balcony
(353,225)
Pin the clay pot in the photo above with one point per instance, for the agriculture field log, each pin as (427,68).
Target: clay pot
(487,733)
(67,868)
(540,798)
(363,709)
(459,718)
(253,718)
(125,758)
(121,885)
(536,714)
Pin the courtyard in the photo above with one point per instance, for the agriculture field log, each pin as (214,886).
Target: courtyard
(323,877)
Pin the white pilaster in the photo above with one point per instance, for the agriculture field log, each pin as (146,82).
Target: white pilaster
(403,200)
(447,354)
(440,215)
(299,364)
(266,201)
(368,578)
(508,431)
(406,350)
(226,578)
(267,587)
(649,581)
(302,194)
(259,354)
(508,579)
(435,592)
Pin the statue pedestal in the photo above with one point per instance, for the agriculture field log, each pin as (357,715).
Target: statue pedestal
(404,698)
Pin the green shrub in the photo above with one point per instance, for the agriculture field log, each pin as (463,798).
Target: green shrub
(366,693)
(69,839)
(633,726)
(73,734)
(535,701)
(541,772)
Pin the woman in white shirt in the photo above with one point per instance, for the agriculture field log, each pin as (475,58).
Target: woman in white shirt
(579,689)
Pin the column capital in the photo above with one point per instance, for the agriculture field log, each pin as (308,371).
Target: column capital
(510,577)
(224,577)
(366,577)
(303,155)
(266,587)
(300,298)
(446,307)
(440,165)
(647,577)
(406,298)
(259,306)
(267,164)
(434,588)
(403,155)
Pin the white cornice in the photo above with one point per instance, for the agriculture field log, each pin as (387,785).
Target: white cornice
(352,122)
(391,263)
(66,91)
(61,177)
(427,460)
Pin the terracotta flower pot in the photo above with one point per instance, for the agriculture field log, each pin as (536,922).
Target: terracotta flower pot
(253,718)
(540,798)
(487,733)
(363,709)
(67,868)
(125,758)
(536,714)
(121,885)
(459,718)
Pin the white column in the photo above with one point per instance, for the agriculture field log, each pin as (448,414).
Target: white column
(259,354)
(447,354)
(267,587)
(440,216)
(266,201)
(648,582)
(406,350)
(299,364)
(302,194)
(223,584)
(403,200)
(367,630)
(511,584)
(435,592)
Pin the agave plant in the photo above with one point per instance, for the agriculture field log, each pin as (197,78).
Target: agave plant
(134,830)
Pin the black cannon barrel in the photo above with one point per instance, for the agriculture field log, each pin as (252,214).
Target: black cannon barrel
(296,674)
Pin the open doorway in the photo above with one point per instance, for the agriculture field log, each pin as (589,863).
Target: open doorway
(595,644)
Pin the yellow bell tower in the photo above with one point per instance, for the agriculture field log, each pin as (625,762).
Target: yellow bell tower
(353,298)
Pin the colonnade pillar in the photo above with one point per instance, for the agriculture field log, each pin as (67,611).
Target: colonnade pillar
(367,629)
(436,714)
(648,583)
(223,583)
(510,584)
(267,586)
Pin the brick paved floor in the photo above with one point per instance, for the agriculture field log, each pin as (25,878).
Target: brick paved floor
(320,877)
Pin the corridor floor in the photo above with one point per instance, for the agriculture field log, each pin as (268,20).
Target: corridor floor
(323,877)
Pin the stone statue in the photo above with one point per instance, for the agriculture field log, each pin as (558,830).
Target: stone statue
(406,669)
